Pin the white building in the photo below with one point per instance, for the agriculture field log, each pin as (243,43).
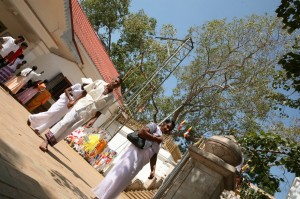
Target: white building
(294,192)
(62,43)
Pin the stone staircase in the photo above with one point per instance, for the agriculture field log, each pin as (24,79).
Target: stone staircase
(140,194)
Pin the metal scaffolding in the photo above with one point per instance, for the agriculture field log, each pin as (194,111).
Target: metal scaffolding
(135,97)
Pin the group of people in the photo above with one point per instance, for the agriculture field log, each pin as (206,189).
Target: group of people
(11,49)
(81,105)
(21,85)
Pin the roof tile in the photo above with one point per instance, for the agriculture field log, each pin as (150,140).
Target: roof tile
(92,44)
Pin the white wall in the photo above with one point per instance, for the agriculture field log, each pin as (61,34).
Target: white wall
(294,192)
(52,64)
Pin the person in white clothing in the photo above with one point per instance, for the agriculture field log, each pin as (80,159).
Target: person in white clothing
(16,83)
(86,111)
(133,160)
(9,45)
(42,121)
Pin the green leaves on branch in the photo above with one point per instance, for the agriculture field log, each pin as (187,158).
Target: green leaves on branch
(289,12)
(226,86)
(264,150)
(106,16)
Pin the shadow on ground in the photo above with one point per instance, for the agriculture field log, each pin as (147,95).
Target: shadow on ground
(62,181)
(69,168)
(13,183)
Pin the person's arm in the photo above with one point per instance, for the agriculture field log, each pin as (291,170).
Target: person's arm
(152,166)
(92,120)
(145,133)
(73,101)
(67,93)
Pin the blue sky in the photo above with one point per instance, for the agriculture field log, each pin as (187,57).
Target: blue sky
(187,13)
(184,14)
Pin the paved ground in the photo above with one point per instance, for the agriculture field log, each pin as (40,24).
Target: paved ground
(28,173)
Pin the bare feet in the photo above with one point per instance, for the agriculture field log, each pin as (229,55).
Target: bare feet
(44,146)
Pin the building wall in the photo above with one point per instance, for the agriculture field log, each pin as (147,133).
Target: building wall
(52,64)
(294,192)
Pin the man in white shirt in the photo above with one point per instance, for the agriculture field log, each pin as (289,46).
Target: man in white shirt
(42,121)
(87,110)
(9,45)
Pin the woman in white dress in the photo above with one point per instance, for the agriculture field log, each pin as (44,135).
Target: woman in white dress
(133,160)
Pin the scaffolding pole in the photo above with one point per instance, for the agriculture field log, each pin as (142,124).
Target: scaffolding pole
(186,44)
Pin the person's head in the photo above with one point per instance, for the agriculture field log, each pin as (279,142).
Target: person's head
(45,81)
(114,83)
(34,68)
(167,126)
(21,56)
(19,39)
(24,45)
(19,65)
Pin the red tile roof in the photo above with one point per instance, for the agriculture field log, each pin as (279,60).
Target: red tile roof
(92,44)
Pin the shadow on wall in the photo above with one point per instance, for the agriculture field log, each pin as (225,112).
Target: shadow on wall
(14,183)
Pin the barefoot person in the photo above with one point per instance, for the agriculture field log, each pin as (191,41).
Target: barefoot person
(133,160)
(97,100)
(41,121)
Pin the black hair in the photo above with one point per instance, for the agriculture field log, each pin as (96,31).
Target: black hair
(45,81)
(168,121)
(21,37)
(24,44)
(21,56)
(120,78)
(34,68)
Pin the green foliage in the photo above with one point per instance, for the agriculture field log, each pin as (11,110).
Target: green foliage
(138,55)
(106,16)
(265,150)
(226,87)
(289,12)
(249,193)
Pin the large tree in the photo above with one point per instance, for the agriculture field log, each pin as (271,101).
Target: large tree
(227,86)
(138,55)
(106,16)
(225,89)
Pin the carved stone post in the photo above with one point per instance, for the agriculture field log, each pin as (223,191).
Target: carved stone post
(208,172)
